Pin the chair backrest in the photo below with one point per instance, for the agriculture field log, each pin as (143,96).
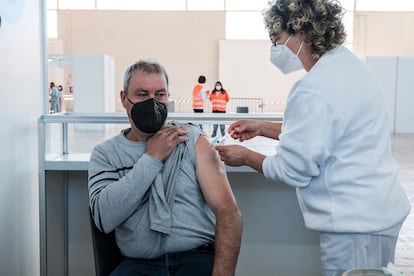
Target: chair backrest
(106,253)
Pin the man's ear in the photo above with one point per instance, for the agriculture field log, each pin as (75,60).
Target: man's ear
(123,97)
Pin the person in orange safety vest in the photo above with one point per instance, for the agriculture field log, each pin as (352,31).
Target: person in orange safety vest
(199,95)
(219,99)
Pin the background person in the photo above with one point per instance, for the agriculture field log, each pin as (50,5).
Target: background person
(219,99)
(162,188)
(54,98)
(60,89)
(200,93)
(334,143)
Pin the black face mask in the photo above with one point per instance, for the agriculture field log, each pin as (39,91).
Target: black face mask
(149,116)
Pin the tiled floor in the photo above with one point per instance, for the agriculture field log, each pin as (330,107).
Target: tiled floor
(403,150)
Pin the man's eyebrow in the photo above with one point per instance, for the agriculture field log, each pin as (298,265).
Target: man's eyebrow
(140,90)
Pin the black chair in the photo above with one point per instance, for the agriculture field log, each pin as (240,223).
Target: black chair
(106,253)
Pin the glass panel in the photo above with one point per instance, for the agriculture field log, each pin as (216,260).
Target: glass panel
(246,5)
(51,24)
(83,137)
(77,4)
(68,138)
(205,5)
(385,5)
(141,5)
(53,141)
(245,25)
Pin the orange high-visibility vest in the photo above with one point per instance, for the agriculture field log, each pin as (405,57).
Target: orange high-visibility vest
(198,102)
(219,100)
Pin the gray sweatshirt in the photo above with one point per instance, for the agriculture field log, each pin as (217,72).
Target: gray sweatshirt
(154,208)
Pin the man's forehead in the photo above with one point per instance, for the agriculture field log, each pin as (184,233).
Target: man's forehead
(148,81)
(143,74)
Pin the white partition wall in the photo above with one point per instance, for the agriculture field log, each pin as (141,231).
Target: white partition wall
(385,70)
(394,75)
(246,72)
(22,86)
(404,111)
(93,83)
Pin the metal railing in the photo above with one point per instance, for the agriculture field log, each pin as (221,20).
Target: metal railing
(67,133)
(245,105)
(235,105)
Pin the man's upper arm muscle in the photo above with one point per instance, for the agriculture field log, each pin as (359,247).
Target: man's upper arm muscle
(211,174)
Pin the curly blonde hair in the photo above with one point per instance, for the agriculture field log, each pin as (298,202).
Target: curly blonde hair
(319,21)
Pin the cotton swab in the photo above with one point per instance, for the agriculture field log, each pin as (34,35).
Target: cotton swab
(214,140)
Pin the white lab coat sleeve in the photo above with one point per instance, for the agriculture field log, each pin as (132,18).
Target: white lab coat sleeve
(310,128)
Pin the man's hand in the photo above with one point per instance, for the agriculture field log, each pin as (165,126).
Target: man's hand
(165,140)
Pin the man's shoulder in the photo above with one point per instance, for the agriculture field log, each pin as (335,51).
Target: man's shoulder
(114,141)
(193,130)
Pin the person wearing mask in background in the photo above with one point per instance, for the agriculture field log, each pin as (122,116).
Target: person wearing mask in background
(54,98)
(200,93)
(162,188)
(60,89)
(334,142)
(219,99)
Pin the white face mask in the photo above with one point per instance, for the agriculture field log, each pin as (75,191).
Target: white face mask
(284,59)
(218,87)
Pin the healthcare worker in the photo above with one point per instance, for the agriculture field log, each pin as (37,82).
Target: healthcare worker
(334,143)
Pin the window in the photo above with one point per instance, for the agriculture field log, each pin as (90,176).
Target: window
(51,24)
(140,4)
(246,5)
(203,5)
(384,5)
(52,4)
(245,25)
(243,17)
(77,4)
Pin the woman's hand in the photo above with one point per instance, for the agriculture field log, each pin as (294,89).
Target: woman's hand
(236,155)
(248,129)
(244,129)
(232,155)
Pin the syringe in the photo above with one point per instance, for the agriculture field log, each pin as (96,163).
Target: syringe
(228,135)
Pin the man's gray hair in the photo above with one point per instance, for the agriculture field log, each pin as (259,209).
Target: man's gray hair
(149,66)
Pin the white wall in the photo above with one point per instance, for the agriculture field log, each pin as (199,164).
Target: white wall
(20,106)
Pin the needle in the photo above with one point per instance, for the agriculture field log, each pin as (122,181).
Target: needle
(228,135)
